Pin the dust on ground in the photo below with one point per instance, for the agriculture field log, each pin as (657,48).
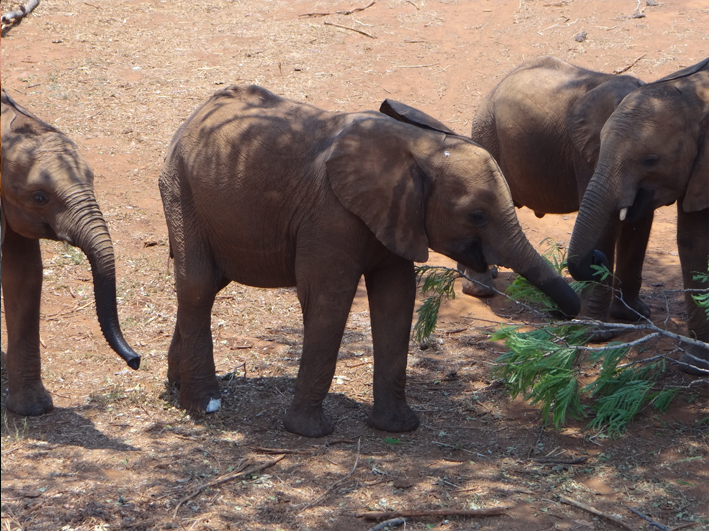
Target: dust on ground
(117,453)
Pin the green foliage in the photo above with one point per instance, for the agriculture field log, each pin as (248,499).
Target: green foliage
(522,290)
(440,283)
(545,365)
(702,299)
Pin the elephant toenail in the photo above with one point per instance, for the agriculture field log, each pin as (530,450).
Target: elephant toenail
(214,405)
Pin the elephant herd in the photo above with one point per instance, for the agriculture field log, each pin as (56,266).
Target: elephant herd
(268,192)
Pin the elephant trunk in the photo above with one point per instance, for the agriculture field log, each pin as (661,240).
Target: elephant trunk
(599,205)
(527,262)
(87,230)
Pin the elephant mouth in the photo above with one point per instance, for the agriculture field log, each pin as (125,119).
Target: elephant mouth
(643,204)
(469,253)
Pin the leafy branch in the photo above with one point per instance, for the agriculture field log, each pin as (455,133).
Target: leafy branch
(545,364)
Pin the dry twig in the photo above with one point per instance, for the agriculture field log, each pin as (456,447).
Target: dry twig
(351,29)
(631,65)
(349,12)
(266,450)
(230,477)
(652,522)
(595,511)
(551,461)
(376,515)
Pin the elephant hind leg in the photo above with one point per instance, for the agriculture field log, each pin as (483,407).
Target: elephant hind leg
(630,253)
(22,292)
(191,357)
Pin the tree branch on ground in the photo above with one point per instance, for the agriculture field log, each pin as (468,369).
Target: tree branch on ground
(15,16)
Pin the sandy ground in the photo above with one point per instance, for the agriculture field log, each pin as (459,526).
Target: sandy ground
(117,453)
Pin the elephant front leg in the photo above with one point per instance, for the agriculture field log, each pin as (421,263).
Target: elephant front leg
(326,299)
(22,291)
(630,253)
(693,247)
(392,294)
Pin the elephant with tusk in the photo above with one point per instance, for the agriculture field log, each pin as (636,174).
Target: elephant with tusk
(542,123)
(267,192)
(654,151)
(47,192)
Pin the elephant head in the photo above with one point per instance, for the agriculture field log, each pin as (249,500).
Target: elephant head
(426,187)
(653,152)
(47,192)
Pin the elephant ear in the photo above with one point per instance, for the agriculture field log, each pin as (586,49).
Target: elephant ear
(589,114)
(375,176)
(697,195)
(404,113)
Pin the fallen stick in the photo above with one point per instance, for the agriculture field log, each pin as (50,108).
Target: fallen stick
(266,450)
(22,12)
(351,29)
(595,511)
(652,522)
(552,461)
(631,65)
(376,515)
(251,470)
(349,12)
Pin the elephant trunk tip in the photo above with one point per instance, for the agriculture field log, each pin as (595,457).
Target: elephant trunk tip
(586,268)
(133,360)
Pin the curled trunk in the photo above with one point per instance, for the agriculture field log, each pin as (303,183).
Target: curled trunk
(596,213)
(527,262)
(86,228)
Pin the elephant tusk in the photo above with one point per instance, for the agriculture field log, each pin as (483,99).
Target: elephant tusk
(623,213)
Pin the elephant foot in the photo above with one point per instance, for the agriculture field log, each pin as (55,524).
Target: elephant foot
(310,422)
(31,402)
(695,361)
(481,285)
(393,419)
(202,401)
(630,312)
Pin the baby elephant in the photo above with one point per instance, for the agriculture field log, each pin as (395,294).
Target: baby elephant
(543,123)
(267,192)
(47,192)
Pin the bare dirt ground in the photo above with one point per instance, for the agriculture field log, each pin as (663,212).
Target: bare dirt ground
(117,453)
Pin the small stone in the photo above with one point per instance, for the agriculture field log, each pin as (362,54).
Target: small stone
(580,37)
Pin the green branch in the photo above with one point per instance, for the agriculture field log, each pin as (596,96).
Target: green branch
(545,365)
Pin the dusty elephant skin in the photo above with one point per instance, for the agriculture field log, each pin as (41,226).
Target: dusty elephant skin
(47,192)
(542,123)
(655,151)
(267,192)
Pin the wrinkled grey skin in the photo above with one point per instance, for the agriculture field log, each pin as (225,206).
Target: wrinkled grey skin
(542,123)
(47,192)
(655,151)
(267,192)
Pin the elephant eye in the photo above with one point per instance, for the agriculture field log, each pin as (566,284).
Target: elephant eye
(650,161)
(40,198)
(477,217)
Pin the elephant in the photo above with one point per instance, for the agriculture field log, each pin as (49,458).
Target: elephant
(47,192)
(269,192)
(542,123)
(654,152)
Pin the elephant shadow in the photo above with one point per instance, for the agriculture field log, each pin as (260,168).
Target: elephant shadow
(62,427)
